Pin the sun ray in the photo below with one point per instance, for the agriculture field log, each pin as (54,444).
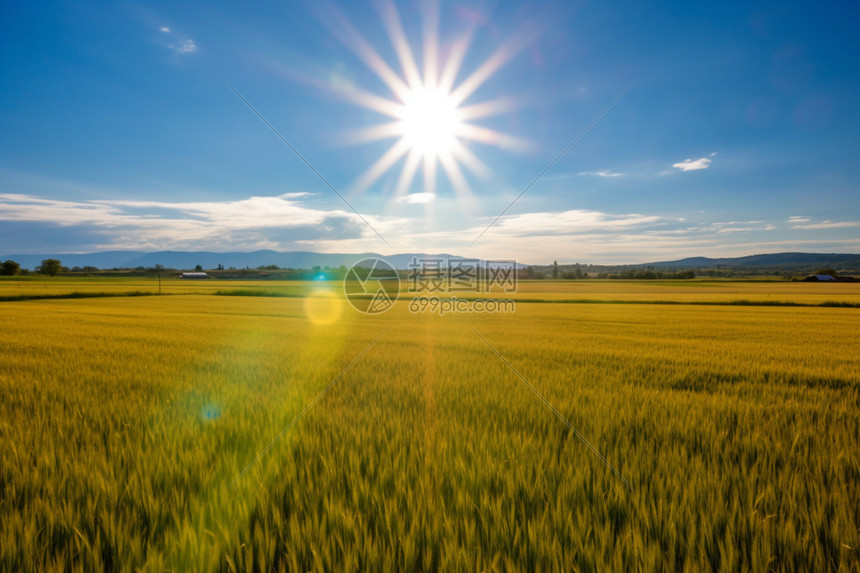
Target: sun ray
(488,108)
(454,62)
(492,137)
(469,159)
(493,64)
(381,166)
(432,127)
(374,133)
(481,75)
(353,39)
(431,44)
(429,172)
(458,181)
(394,27)
(407,174)
(349,94)
(375,103)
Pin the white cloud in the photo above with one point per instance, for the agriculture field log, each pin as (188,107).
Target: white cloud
(803,223)
(184,47)
(735,228)
(177,43)
(418,198)
(693,164)
(601,173)
(722,228)
(296,195)
(257,222)
(284,223)
(573,221)
(806,223)
(293,221)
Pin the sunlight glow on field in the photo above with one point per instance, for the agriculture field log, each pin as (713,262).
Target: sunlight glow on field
(323,307)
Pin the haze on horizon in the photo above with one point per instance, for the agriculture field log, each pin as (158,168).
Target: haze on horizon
(738,136)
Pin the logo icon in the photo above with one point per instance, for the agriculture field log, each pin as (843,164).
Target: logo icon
(371,286)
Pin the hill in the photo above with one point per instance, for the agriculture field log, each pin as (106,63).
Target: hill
(211,260)
(788,261)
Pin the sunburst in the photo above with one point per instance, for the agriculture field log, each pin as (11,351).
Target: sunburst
(431,117)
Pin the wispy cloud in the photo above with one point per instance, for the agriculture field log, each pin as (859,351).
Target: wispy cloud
(592,236)
(795,219)
(186,46)
(803,223)
(720,228)
(601,173)
(417,198)
(570,222)
(178,44)
(724,227)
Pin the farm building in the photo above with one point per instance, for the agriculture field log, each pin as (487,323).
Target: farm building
(819,278)
(194,276)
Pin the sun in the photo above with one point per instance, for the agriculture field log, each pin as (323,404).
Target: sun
(431,116)
(430,122)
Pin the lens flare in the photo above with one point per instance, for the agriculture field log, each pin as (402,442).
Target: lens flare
(323,307)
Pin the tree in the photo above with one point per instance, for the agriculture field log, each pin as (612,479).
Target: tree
(10,268)
(831,272)
(555,269)
(50,267)
(198,268)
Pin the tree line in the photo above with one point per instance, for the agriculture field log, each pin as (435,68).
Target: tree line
(578,271)
(50,267)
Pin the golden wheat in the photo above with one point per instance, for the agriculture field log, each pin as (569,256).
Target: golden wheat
(124,420)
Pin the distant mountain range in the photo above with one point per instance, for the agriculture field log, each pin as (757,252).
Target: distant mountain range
(210,260)
(783,260)
(308,259)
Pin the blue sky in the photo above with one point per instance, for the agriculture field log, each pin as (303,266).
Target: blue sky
(739,134)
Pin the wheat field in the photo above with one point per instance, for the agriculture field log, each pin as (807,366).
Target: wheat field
(719,437)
